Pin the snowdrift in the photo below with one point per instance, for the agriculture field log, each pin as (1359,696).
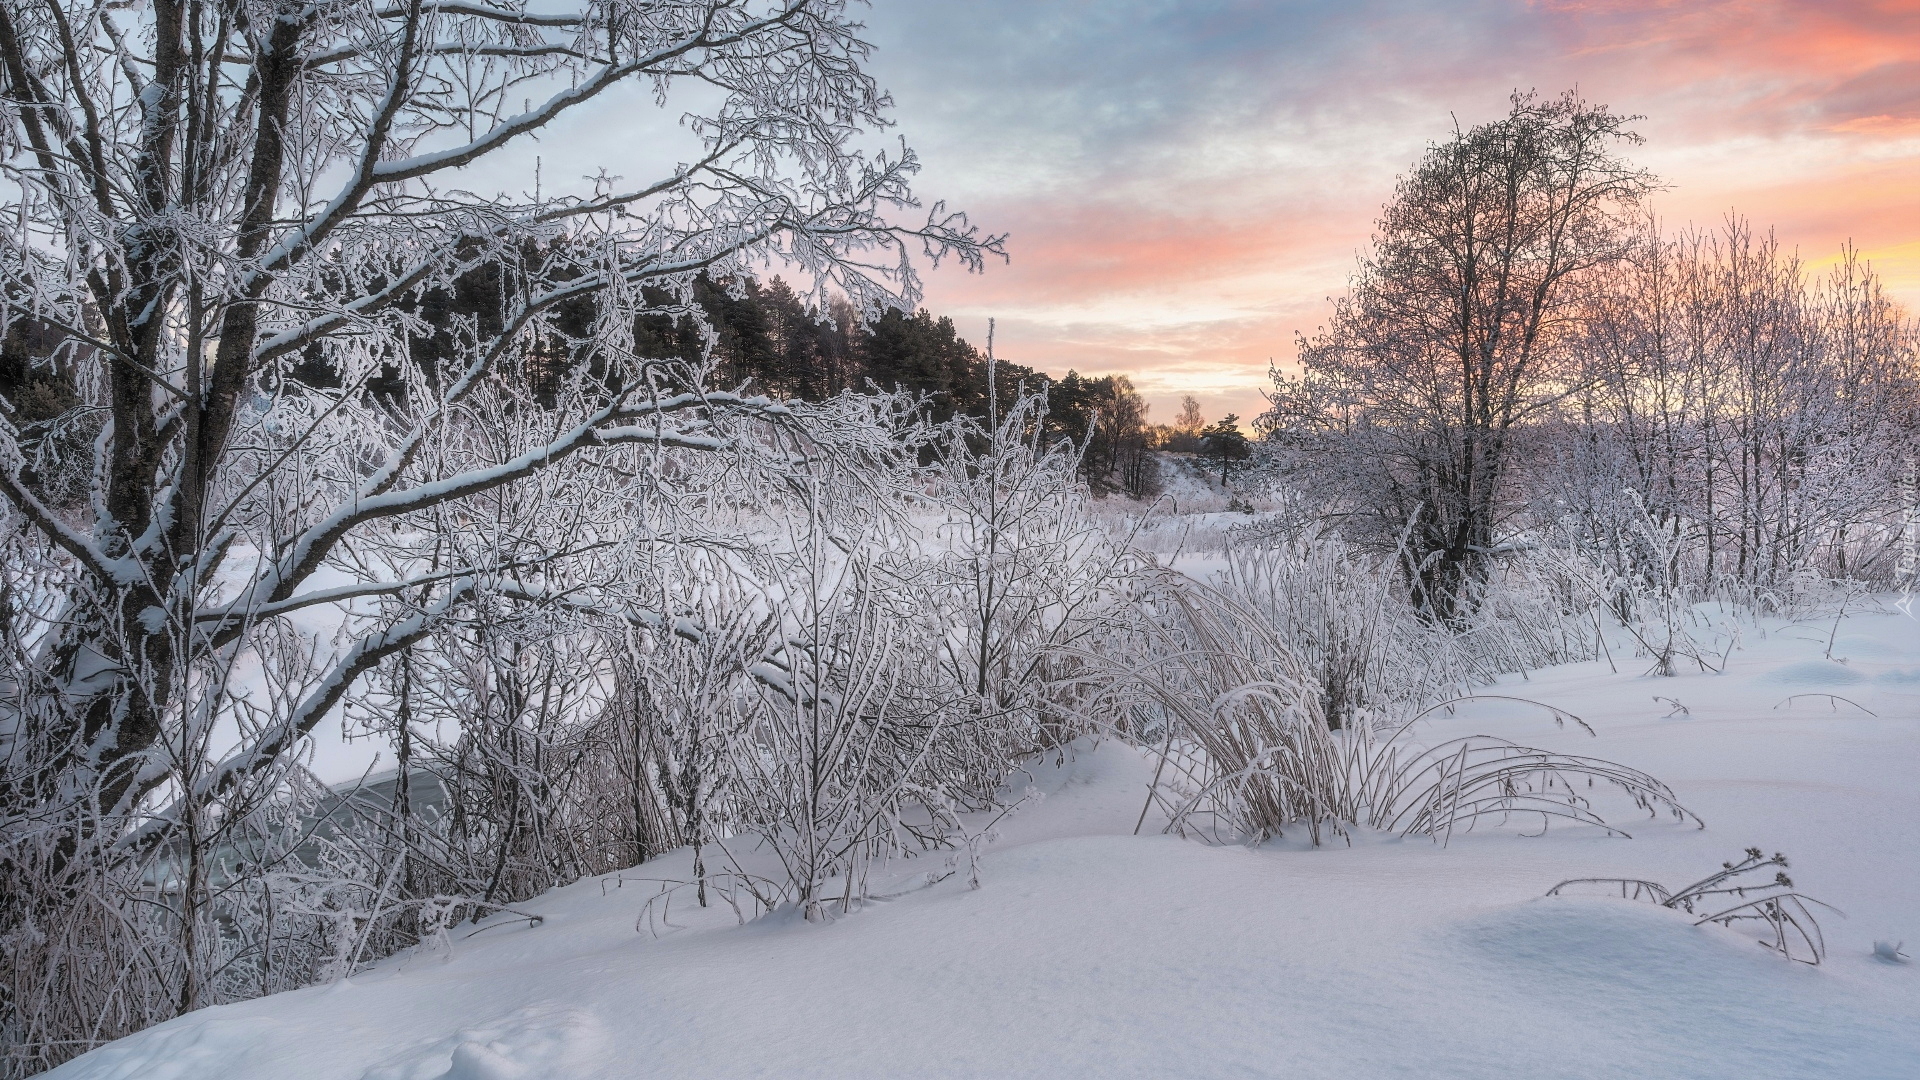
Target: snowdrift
(1090,951)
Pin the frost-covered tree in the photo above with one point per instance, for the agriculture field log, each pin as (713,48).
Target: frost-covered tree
(1459,329)
(1223,440)
(1757,416)
(227,218)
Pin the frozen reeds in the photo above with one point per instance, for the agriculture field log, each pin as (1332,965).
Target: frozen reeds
(1211,678)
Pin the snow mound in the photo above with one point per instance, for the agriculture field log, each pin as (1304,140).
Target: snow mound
(1636,985)
(1875,647)
(197,1045)
(1815,673)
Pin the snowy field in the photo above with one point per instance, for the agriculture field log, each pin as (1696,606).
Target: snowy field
(1090,951)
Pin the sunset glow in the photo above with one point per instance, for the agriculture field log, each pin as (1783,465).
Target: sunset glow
(1187,183)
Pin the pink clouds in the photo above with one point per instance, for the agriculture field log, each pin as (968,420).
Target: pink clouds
(1132,251)
(1186,183)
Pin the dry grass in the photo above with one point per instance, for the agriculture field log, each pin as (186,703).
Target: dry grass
(1246,750)
(1728,896)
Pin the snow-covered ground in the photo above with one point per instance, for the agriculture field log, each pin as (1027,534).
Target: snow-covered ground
(1089,951)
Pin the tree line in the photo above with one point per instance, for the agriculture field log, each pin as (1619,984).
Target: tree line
(767,337)
(760,338)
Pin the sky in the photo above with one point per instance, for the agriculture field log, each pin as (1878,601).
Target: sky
(1186,183)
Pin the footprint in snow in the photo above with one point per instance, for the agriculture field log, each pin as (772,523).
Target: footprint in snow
(535,1041)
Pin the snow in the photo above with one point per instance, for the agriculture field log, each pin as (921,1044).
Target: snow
(1090,951)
